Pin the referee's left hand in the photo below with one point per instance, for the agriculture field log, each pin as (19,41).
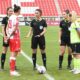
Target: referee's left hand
(37,36)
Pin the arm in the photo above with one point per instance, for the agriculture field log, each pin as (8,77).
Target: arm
(60,33)
(41,34)
(3,32)
(44,31)
(3,27)
(10,34)
(78,31)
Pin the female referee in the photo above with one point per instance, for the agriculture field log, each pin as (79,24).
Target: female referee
(5,45)
(38,27)
(64,39)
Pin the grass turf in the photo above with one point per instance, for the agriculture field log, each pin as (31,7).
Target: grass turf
(52,51)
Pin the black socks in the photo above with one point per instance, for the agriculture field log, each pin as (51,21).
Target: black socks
(60,61)
(44,59)
(3,57)
(34,59)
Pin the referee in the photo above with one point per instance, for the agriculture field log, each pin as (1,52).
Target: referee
(64,39)
(5,45)
(38,27)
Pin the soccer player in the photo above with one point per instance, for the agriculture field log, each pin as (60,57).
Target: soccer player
(13,35)
(64,39)
(38,27)
(5,45)
(75,42)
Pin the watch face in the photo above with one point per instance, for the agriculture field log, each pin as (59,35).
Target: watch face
(41,27)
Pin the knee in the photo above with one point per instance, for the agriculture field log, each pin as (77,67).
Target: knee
(34,51)
(62,51)
(42,51)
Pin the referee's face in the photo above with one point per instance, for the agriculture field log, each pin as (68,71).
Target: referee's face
(65,15)
(10,12)
(37,14)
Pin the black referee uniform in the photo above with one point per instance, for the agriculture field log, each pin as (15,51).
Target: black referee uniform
(4,23)
(37,27)
(65,40)
(65,36)
(3,56)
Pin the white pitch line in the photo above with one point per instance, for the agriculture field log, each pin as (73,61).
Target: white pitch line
(48,77)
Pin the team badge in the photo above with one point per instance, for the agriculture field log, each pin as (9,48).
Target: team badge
(41,27)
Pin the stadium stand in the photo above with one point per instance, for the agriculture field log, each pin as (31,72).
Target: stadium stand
(69,4)
(48,6)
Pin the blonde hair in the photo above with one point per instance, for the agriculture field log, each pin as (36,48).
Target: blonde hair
(74,16)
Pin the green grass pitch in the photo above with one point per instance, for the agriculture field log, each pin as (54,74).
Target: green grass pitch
(25,67)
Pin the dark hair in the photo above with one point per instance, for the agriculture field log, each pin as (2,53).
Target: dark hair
(67,11)
(16,8)
(70,15)
(39,10)
(8,9)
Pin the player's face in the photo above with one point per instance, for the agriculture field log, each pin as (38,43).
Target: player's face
(37,14)
(70,18)
(10,12)
(65,15)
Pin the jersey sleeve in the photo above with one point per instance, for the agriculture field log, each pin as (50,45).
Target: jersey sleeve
(45,24)
(31,24)
(60,25)
(3,21)
(77,25)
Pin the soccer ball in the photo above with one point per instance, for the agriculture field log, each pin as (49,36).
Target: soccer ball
(41,69)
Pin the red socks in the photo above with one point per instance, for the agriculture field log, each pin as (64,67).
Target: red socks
(12,63)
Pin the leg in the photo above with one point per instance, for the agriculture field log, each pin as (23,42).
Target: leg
(34,58)
(12,61)
(42,48)
(12,64)
(43,57)
(62,51)
(34,43)
(69,58)
(3,57)
(76,69)
(15,64)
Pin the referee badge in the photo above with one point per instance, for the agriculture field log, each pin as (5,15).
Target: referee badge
(41,27)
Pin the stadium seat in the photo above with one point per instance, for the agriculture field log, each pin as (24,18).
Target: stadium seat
(48,6)
(69,4)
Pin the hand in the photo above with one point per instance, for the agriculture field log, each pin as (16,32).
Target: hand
(27,36)
(69,28)
(59,41)
(37,36)
(6,39)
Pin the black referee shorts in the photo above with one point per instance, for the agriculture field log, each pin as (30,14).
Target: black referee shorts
(35,41)
(5,44)
(75,48)
(65,41)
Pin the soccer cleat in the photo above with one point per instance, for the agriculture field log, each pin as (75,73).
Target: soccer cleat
(34,68)
(69,67)
(60,67)
(76,72)
(73,70)
(14,73)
